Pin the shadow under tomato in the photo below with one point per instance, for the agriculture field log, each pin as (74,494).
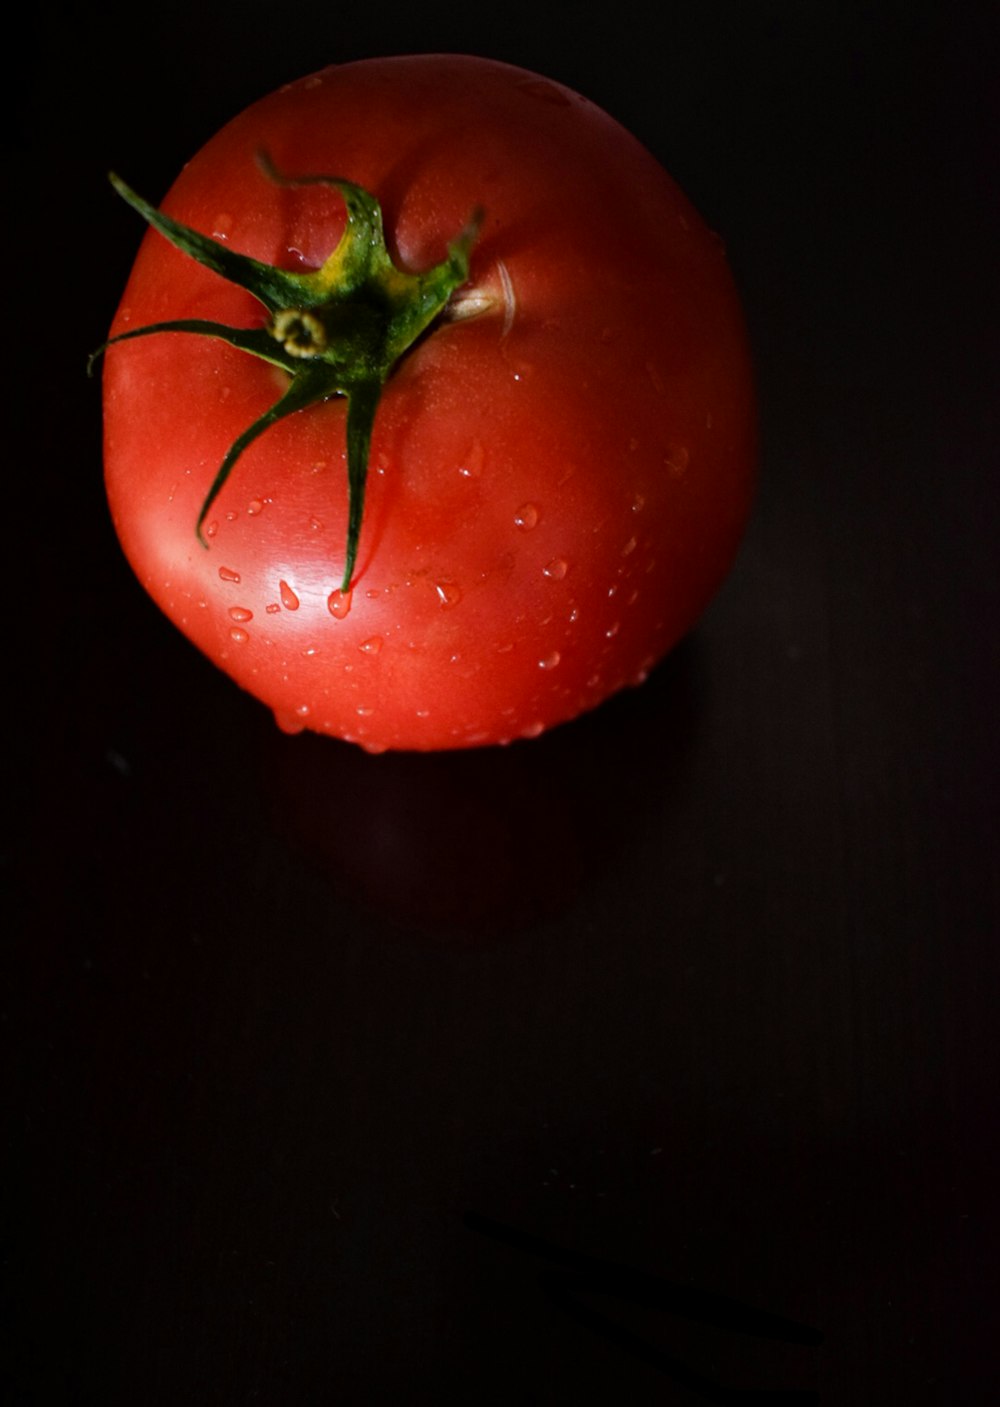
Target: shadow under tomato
(487,844)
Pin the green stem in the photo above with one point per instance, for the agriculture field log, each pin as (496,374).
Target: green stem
(362,403)
(304,390)
(339,330)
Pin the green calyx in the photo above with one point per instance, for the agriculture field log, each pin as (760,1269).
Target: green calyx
(338,330)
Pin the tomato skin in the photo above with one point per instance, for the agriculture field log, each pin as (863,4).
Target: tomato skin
(557,486)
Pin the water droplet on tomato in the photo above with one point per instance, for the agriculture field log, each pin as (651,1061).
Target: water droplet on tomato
(255,506)
(232,515)
(448,593)
(556,569)
(629,547)
(526,517)
(303,710)
(288,597)
(227,574)
(211,530)
(240,636)
(612,631)
(533,730)
(371,646)
(222,225)
(676,460)
(338,603)
(316,525)
(364,710)
(240,613)
(287,722)
(472,466)
(550,661)
(638,503)
(273,608)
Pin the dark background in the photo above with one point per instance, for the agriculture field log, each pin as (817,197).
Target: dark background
(338,1078)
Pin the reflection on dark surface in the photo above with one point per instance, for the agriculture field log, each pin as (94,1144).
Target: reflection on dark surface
(478,843)
(580,1275)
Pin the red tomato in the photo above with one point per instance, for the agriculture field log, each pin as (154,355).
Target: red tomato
(561,466)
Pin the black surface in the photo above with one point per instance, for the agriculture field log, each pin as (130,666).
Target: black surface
(656,1057)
